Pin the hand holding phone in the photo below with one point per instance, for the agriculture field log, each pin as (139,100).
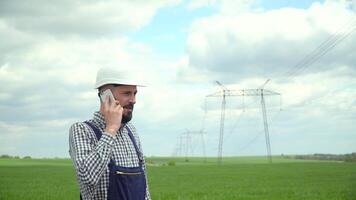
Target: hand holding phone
(112,112)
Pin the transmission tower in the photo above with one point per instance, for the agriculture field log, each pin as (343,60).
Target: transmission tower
(185,144)
(244,92)
(223,93)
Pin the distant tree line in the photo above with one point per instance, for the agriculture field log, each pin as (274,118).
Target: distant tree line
(337,157)
(14,157)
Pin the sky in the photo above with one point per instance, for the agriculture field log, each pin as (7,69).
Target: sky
(50,53)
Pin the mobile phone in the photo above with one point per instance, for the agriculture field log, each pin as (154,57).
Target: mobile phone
(106,93)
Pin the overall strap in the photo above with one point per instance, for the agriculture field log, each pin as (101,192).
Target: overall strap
(97,132)
(139,153)
(98,135)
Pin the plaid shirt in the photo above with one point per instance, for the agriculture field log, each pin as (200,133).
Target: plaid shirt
(91,157)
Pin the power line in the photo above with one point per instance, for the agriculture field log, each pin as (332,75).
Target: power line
(327,45)
(338,36)
(238,119)
(254,139)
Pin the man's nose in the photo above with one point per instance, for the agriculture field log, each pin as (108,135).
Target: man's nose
(133,99)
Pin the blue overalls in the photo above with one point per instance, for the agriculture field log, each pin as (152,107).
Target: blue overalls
(125,183)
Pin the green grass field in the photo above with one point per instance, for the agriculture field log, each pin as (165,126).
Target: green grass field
(236,178)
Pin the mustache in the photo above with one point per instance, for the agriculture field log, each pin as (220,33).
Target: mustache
(130,106)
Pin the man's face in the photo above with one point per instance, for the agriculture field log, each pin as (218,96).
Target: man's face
(126,95)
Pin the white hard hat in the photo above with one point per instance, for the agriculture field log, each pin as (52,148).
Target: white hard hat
(114,76)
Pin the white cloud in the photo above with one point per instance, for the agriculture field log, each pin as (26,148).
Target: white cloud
(49,58)
(267,42)
(84,18)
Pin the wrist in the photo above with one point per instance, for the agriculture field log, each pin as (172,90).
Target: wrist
(111,130)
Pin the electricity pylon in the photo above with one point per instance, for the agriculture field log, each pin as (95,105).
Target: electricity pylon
(185,144)
(224,92)
(245,92)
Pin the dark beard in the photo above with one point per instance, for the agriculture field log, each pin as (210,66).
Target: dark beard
(126,118)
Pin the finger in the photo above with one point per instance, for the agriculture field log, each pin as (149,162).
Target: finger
(112,102)
(117,102)
(102,106)
(118,107)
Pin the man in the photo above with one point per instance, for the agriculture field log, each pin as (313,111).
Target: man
(106,150)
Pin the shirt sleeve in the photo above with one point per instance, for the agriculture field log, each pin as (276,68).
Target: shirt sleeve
(90,160)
